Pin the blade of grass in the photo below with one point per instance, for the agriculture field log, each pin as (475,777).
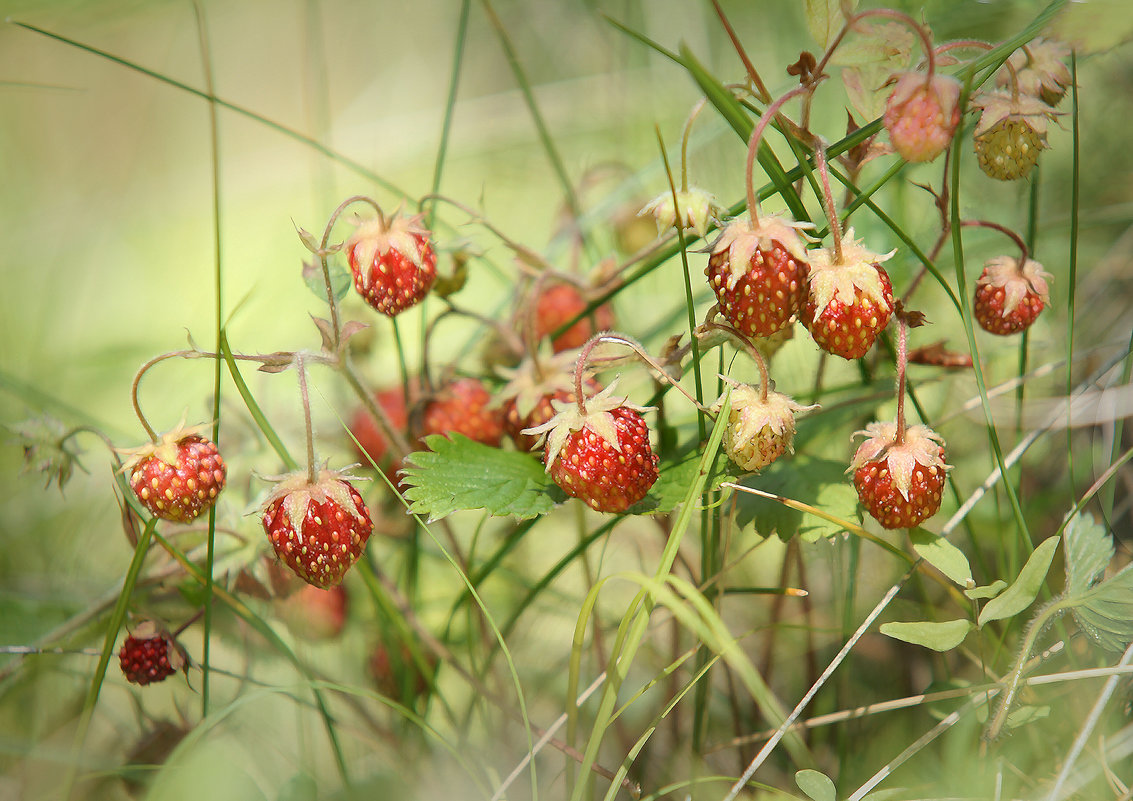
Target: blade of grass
(1075,209)
(450,102)
(253,407)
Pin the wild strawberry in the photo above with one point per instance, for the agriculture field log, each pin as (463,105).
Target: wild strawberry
(1040,69)
(372,445)
(697,209)
(463,407)
(561,303)
(1010,134)
(850,300)
(1009,298)
(392,261)
(396,674)
(149,654)
(315,614)
(922,114)
(318,529)
(900,485)
(601,456)
(759,430)
(526,399)
(177,477)
(759,274)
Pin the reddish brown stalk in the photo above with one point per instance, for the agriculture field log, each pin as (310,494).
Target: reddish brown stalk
(753,147)
(823,170)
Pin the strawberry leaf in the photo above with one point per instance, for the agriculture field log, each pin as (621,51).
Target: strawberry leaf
(459,473)
(339,278)
(1103,610)
(1089,550)
(821,482)
(671,487)
(938,636)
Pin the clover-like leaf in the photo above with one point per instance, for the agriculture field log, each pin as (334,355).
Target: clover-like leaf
(943,555)
(943,636)
(1025,588)
(817,786)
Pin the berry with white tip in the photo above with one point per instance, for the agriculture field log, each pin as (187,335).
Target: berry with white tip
(179,476)
(1010,134)
(392,261)
(759,430)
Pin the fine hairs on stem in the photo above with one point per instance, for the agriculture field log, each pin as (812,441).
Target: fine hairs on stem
(615,338)
(753,148)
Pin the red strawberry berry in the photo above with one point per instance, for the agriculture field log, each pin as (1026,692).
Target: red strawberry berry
(759,274)
(759,430)
(560,303)
(921,115)
(392,262)
(532,386)
(900,485)
(601,456)
(314,614)
(318,529)
(464,407)
(850,300)
(177,477)
(1009,298)
(149,654)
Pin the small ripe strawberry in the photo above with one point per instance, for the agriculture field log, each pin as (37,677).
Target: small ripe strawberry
(532,386)
(759,430)
(1040,69)
(313,613)
(921,115)
(697,208)
(1010,134)
(177,477)
(1009,298)
(318,529)
(850,301)
(149,654)
(392,261)
(372,445)
(560,303)
(601,456)
(463,407)
(759,274)
(900,485)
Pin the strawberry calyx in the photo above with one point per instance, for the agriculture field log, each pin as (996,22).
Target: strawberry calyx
(165,448)
(697,207)
(377,236)
(1022,108)
(535,378)
(921,446)
(753,417)
(1040,70)
(298,492)
(1017,283)
(741,239)
(857,270)
(570,418)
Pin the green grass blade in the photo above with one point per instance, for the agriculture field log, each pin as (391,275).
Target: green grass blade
(253,407)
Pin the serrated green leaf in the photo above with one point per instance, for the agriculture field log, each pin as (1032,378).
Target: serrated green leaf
(803,478)
(986,591)
(339,279)
(1025,588)
(1089,549)
(459,473)
(942,636)
(816,785)
(942,555)
(1105,612)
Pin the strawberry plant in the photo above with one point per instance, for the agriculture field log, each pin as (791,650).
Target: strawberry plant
(601,400)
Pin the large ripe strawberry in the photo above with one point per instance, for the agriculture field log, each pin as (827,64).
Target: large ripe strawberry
(851,299)
(601,456)
(463,406)
(318,529)
(149,654)
(392,261)
(759,274)
(532,386)
(760,429)
(560,303)
(177,477)
(900,485)
(921,115)
(1008,297)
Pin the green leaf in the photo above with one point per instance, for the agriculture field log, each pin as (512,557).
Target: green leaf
(1089,549)
(816,785)
(986,591)
(1023,591)
(938,636)
(942,555)
(459,473)
(821,482)
(824,18)
(339,278)
(672,485)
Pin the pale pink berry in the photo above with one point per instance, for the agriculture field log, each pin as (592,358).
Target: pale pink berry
(922,114)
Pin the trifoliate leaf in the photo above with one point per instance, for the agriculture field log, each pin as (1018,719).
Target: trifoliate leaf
(937,636)
(942,555)
(1089,549)
(459,473)
(816,785)
(1025,588)
(1106,611)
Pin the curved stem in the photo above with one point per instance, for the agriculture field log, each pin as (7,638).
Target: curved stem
(684,141)
(900,16)
(1014,237)
(188,354)
(823,170)
(311,477)
(753,147)
(615,338)
(331,300)
(760,90)
(752,350)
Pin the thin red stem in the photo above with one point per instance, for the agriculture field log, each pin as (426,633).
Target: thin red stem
(753,351)
(753,148)
(900,16)
(902,361)
(306,416)
(828,200)
(331,300)
(684,141)
(189,354)
(1014,237)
